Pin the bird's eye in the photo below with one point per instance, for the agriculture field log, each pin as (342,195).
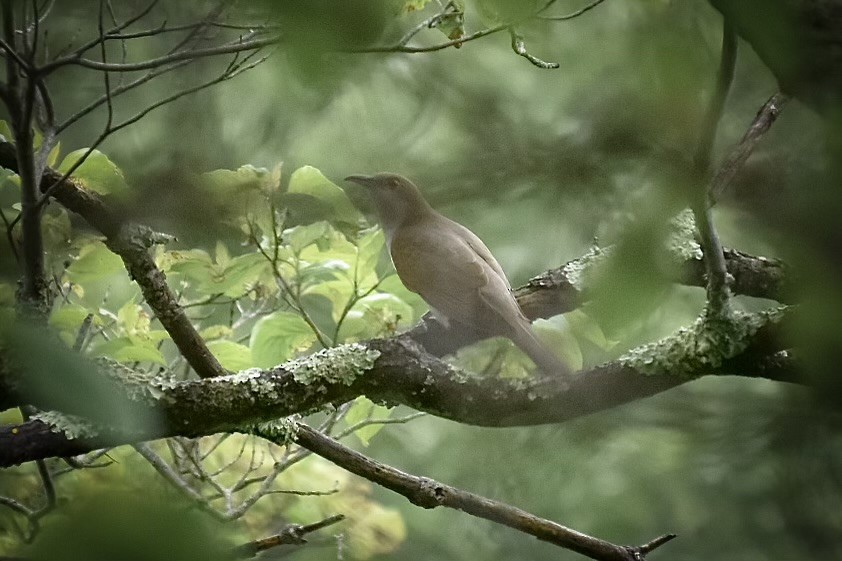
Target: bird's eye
(393,183)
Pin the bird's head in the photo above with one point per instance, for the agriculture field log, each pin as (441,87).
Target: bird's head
(396,199)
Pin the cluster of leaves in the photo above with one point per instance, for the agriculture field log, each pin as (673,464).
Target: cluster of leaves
(289,286)
(303,270)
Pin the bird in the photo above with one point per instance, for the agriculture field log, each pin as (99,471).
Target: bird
(451,268)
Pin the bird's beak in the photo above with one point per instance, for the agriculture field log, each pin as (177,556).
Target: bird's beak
(364,180)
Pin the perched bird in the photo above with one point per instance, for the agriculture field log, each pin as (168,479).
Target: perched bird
(450,267)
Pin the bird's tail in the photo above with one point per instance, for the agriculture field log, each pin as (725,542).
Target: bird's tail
(543,358)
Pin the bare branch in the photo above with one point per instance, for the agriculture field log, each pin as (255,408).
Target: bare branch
(168,473)
(738,155)
(369,422)
(113,31)
(228,48)
(29,514)
(195,33)
(292,534)
(120,89)
(14,56)
(519,47)
(233,70)
(34,295)
(571,15)
(718,293)
(427,493)
(399,48)
(10,237)
(448,11)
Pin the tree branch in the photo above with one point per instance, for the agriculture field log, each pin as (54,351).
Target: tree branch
(738,155)
(718,292)
(403,48)
(571,15)
(228,48)
(131,242)
(34,294)
(398,371)
(519,47)
(292,534)
(427,493)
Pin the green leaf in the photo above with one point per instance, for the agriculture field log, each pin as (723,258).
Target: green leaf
(69,317)
(559,338)
(129,315)
(309,181)
(52,157)
(362,410)
(216,332)
(393,285)
(6,132)
(232,356)
(56,226)
(370,246)
(95,261)
(193,263)
(277,337)
(11,416)
(414,5)
(123,349)
(241,273)
(231,279)
(135,322)
(586,328)
(230,183)
(375,315)
(453,26)
(300,237)
(97,172)
(222,257)
(495,356)
(336,291)
(386,306)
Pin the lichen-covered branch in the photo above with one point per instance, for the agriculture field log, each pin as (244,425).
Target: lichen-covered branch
(397,371)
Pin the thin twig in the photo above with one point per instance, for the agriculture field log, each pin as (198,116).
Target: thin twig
(228,48)
(229,73)
(82,334)
(738,155)
(122,88)
(16,57)
(10,235)
(168,473)
(519,47)
(101,37)
(718,293)
(398,48)
(571,15)
(292,534)
(449,10)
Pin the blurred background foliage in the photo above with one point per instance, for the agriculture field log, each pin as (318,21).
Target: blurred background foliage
(541,164)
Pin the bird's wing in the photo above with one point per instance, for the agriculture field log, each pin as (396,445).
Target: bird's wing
(455,274)
(503,302)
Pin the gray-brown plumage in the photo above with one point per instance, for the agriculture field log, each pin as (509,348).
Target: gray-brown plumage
(450,267)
